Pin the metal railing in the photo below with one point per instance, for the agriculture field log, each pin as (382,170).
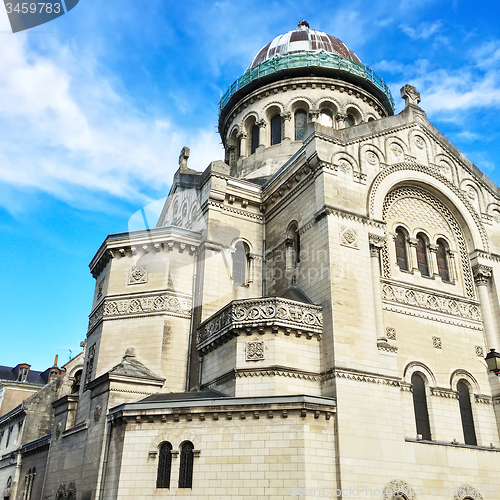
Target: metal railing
(313,60)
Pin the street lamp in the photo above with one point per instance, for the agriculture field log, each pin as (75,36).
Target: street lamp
(493,361)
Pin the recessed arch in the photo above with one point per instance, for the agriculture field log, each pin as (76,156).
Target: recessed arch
(443,190)
(417,366)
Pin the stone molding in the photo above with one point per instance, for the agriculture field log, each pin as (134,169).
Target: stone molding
(398,488)
(408,295)
(444,393)
(272,312)
(483,399)
(148,303)
(481,274)
(245,213)
(466,491)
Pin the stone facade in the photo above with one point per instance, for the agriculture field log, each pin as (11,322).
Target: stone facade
(308,318)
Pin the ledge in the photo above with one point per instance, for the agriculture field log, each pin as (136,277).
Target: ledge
(445,443)
(74,430)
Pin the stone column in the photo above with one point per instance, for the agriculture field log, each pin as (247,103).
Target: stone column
(314,116)
(242,136)
(481,276)
(433,263)
(262,130)
(287,125)
(412,254)
(341,118)
(376,244)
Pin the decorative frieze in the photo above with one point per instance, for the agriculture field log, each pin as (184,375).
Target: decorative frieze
(412,296)
(152,303)
(293,316)
(444,393)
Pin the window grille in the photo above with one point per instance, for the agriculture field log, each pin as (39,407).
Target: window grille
(164,466)
(186,467)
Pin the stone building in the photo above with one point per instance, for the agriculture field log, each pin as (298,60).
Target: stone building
(309,317)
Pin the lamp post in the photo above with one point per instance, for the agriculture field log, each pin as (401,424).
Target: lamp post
(493,361)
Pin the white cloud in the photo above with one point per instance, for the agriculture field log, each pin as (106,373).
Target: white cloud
(64,127)
(423,31)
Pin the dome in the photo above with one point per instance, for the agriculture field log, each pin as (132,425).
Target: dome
(303,39)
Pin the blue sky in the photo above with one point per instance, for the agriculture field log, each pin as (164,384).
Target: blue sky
(96,105)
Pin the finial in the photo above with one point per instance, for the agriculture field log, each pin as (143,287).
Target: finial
(183,158)
(302,24)
(410,95)
(129,353)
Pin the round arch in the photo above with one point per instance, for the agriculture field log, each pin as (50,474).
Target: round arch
(422,176)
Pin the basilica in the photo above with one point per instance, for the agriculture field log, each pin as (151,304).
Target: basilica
(317,314)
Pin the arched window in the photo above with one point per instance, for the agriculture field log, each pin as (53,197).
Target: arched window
(300,124)
(75,387)
(326,118)
(254,138)
(240,264)
(466,413)
(350,121)
(164,466)
(401,249)
(420,407)
(275,130)
(422,259)
(186,467)
(442,260)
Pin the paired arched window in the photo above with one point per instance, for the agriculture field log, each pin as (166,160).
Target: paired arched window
(401,241)
(240,264)
(442,260)
(420,406)
(275,130)
(466,413)
(164,466)
(422,256)
(300,119)
(186,466)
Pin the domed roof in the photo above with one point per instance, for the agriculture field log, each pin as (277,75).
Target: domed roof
(303,39)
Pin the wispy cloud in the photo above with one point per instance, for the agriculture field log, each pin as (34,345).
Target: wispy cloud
(423,31)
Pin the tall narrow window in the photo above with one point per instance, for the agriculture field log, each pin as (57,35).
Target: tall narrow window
(75,387)
(420,407)
(422,261)
(300,124)
(255,139)
(401,252)
(292,246)
(442,261)
(164,466)
(240,264)
(350,121)
(466,413)
(275,130)
(186,467)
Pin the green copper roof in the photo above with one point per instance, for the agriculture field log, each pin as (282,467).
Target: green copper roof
(287,63)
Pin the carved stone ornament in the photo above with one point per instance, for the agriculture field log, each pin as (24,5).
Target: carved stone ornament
(467,491)
(481,274)
(371,157)
(436,343)
(397,150)
(390,333)
(376,240)
(419,142)
(348,237)
(479,351)
(58,429)
(426,300)
(166,302)
(254,350)
(100,288)
(410,95)
(344,167)
(97,413)
(138,274)
(398,488)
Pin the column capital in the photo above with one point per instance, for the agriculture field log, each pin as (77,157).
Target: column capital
(376,243)
(286,115)
(341,117)
(481,274)
(261,123)
(242,135)
(433,248)
(413,242)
